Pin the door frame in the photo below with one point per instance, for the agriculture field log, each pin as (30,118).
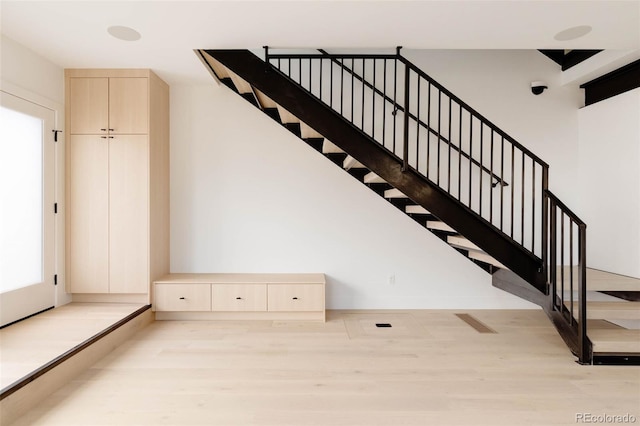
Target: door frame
(61,297)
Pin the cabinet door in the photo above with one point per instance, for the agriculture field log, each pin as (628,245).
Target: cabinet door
(239,297)
(182,297)
(128,214)
(88,105)
(129,105)
(88,214)
(295,297)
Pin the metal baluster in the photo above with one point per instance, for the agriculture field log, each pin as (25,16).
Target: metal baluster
(395,101)
(512,184)
(491,186)
(373,102)
(522,205)
(460,154)
(417,126)
(342,87)
(502,186)
(439,135)
(562,257)
(571,265)
(553,263)
(384,103)
(470,154)
(428,132)
(353,67)
(449,150)
(481,164)
(321,67)
(405,153)
(533,206)
(363,78)
(300,71)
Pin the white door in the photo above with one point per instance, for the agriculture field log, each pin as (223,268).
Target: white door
(27,186)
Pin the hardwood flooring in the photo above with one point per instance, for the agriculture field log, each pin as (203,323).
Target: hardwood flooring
(428,368)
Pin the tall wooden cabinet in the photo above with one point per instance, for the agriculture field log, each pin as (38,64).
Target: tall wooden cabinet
(117,189)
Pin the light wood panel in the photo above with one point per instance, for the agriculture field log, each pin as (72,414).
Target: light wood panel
(239,297)
(129,105)
(182,297)
(430,368)
(159,190)
(88,212)
(295,297)
(128,214)
(88,105)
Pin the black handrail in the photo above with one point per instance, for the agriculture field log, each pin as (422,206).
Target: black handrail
(398,107)
(570,223)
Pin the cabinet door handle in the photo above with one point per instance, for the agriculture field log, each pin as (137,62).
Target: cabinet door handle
(104,130)
(111,130)
(238,298)
(103,137)
(295,298)
(182,298)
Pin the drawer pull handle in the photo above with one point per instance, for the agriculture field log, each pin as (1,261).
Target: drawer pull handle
(104,130)
(295,298)
(238,298)
(182,298)
(111,130)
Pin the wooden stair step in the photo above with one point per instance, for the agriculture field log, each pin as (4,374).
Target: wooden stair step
(394,193)
(286,116)
(462,242)
(414,209)
(615,341)
(373,178)
(600,280)
(220,70)
(308,132)
(265,101)
(330,148)
(352,163)
(611,310)
(439,225)
(484,257)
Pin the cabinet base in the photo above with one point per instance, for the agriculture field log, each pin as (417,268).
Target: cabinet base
(210,316)
(111,298)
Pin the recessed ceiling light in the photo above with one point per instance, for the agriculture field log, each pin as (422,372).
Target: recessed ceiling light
(573,33)
(124,33)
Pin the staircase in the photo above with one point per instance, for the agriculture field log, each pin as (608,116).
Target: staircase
(402,134)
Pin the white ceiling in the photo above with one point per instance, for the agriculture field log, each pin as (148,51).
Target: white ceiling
(73,33)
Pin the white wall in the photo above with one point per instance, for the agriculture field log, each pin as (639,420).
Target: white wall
(28,75)
(610,182)
(248,196)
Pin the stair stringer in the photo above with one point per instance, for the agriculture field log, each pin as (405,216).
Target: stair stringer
(376,158)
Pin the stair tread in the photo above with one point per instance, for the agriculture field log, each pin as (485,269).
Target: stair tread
(352,163)
(328,148)
(611,310)
(414,209)
(462,242)
(602,281)
(286,116)
(439,225)
(484,257)
(394,193)
(615,340)
(373,178)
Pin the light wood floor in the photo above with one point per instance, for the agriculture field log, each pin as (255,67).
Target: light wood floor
(429,368)
(29,344)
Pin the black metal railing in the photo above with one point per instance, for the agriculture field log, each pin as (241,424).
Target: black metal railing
(567,271)
(434,133)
